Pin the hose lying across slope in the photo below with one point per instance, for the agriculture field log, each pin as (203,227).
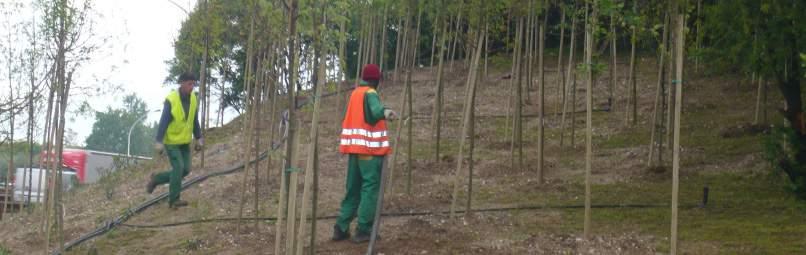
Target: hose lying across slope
(412,214)
(119,220)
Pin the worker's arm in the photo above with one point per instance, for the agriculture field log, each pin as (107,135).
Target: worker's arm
(165,119)
(373,108)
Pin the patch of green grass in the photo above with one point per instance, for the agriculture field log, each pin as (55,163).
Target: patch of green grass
(115,240)
(746,213)
(626,139)
(425,149)
(500,62)
(4,251)
(191,245)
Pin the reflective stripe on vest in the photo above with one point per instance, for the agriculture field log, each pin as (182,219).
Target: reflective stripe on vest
(358,136)
(180,130)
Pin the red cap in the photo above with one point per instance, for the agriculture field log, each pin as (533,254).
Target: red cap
(371,72)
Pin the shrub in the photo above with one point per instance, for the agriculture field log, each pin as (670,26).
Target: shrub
(784,148)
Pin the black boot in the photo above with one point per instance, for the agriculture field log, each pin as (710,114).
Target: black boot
(152,184)
(339,235)
(364,237)
(178,203)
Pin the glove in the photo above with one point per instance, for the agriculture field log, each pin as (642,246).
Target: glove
(159,148)
(389,114)
(199,144)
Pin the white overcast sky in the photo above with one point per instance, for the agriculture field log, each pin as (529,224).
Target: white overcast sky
(140,37)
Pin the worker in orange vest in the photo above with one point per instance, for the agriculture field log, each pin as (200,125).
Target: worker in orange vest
(364,139)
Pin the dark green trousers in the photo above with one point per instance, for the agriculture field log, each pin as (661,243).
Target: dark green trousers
(179,155)
(361,198)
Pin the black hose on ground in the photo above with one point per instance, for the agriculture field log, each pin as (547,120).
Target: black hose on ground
(414,214)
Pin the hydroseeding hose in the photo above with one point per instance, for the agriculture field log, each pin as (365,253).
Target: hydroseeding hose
(414,214)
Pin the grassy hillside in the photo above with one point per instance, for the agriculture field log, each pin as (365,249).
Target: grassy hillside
(749,209)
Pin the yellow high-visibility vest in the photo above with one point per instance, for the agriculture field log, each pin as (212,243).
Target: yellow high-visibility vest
(180,130)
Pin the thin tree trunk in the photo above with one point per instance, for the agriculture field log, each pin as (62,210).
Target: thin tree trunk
(409,132)
(292,102)
(698,35)
(410,60)
(657,113)
(670,95)
(569,72)
(291,223)
(764,104)
(437,128)
(382,53)
(632,77)
(203,77)
(342,68)
(398,47)
(416,43)
(758,100)
(512,83)
(486,47)
(467,128)
(315,196)
(517,88)
(313,150)
(359,60)
(589,101)
(614,65)
(398,134)
(680,40)
(404,43)
(455,34)
(433,40)
(31,125)
(560,70)
(8,188)
(542,96)
(12,113)
(531,26)
(249,116)
(371,49)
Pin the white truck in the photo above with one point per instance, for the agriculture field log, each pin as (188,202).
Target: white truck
(30,183)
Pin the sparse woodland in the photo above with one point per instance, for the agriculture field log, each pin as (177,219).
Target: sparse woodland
(527,127)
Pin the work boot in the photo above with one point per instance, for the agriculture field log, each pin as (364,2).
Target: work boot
(363,237)
(178,203)
(339,235)
(152,184)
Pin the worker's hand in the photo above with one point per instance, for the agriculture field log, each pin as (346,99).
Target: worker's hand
(389,114)
(159,148)
(199,144)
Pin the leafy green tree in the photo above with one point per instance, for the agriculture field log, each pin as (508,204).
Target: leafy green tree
(766,37)
(111,129)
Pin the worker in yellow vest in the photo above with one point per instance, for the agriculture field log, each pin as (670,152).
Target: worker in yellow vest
(364,139)
(178,125)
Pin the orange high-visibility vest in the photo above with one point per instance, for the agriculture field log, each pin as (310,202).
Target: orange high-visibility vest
(358,136)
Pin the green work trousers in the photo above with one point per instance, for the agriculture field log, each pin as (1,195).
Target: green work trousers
(179,155)
(361,198)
